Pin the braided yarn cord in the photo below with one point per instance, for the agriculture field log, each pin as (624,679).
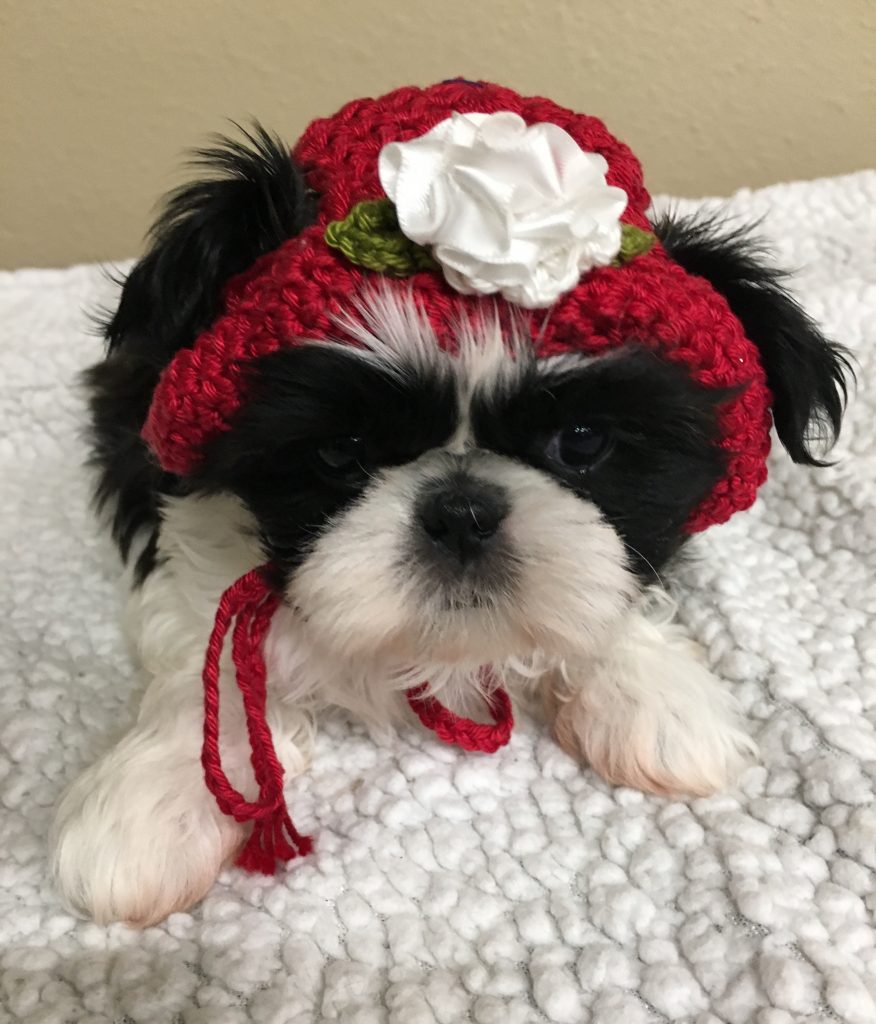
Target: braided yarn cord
(249,603)
(465,732)
(252,603)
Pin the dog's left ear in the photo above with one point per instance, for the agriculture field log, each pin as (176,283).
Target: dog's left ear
(807,374)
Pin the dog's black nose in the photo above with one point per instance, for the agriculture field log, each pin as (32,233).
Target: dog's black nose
(463,516)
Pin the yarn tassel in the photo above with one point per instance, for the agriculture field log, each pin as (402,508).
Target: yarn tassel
(274,838)
(252,602)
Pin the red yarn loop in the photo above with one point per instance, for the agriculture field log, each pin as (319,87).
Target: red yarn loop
(250,603)
(465,732)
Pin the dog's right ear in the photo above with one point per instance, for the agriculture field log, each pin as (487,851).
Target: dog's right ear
(251,200)
(807,374)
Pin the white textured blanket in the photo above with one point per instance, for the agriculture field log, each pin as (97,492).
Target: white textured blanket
(450,887)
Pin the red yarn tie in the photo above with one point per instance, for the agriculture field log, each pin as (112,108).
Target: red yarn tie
(250,603)
(465,732)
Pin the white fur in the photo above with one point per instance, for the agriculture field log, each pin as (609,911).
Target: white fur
(389,326)
(569,578)
(138,835)
(646,713)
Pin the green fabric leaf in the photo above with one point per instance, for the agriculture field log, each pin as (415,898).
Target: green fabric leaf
(369,236)
(634,242)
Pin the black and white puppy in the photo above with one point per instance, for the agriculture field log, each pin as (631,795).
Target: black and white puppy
(426,513)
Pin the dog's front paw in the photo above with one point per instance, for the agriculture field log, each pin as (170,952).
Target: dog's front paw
(651,716)
(661,752)
(138,836)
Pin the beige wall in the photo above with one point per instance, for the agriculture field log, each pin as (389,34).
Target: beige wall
(100,97)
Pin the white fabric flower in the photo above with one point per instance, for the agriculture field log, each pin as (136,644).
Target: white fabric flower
(509,208)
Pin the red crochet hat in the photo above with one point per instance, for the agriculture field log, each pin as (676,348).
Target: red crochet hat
(293,293)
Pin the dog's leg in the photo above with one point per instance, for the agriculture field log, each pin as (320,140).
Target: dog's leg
(138,835)
(648,714)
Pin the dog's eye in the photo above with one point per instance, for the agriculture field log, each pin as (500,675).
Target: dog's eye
(343,456)
(577,447)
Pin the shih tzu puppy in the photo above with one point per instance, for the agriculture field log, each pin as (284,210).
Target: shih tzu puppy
(415,414)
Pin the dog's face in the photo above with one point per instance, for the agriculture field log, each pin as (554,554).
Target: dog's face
(453,508)
(429,505)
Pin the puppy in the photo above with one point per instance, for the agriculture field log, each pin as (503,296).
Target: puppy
(464,428)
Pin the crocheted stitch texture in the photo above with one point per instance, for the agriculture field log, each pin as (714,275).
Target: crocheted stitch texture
(369,236)
(291,294)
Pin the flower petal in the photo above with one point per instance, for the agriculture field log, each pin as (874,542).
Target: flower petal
(506,207)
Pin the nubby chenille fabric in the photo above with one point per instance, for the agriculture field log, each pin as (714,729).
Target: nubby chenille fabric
(447,886)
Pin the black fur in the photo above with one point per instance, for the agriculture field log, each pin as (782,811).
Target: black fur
(128,481)
(302,399)
(660,458)
(806,373)
(251,199)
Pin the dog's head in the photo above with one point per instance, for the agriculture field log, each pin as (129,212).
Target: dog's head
(454,479)
(475,504)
